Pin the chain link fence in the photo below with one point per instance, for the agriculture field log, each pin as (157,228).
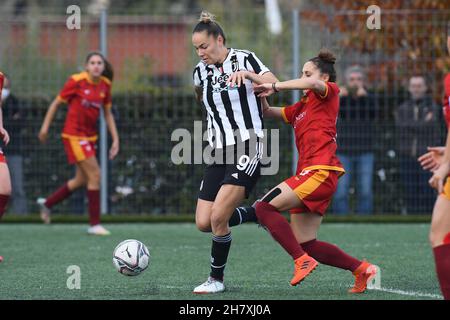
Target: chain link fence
(153,95)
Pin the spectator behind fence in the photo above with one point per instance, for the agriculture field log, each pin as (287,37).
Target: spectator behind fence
(13,120)
(356,138)
(418,126)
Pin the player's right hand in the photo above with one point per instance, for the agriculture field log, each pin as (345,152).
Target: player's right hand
(4,135)
(264,90)
(432,159)
(43,135)
(437,180)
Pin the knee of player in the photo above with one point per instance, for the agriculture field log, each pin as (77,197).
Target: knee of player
(218,217)
(435,239)
(94,177)
(6,191)
(203,225)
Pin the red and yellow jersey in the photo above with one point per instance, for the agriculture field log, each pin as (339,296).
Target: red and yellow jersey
(447,99)
(84,99)
(314,120)
(2,78)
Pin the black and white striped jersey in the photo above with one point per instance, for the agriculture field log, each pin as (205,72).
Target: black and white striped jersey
(230,110)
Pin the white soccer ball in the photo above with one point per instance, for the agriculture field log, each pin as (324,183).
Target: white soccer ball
(131,257)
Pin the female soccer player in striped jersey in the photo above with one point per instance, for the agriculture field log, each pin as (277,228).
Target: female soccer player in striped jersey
(223,82)
(437,160)
(85,93)
(308,194)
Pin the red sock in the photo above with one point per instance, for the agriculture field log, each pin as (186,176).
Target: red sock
(330,254)
(442,260)
(279,228)
(3,202)
(59,195)
(94,206)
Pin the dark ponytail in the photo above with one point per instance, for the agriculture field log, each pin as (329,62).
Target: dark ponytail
(208,23)
(325,63)
(108,72)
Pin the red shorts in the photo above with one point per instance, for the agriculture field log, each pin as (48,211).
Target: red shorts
(2,157)
(78,149)
(315,188)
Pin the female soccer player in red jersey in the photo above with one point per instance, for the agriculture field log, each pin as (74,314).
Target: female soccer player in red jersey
(437,160)
(308,194)
(85,93)
(5,180)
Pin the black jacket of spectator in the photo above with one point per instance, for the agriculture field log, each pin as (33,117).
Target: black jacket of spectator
(418,126)
(356,125)
(13,121)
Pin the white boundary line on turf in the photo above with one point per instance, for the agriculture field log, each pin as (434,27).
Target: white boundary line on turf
(388,290)
(409,293)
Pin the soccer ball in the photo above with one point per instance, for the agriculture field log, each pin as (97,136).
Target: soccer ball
(131,257)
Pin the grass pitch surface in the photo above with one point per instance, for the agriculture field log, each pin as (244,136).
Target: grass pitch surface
(36,259)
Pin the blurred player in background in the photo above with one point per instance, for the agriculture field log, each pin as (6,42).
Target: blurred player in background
(85,93)
(308,194)
(437,160)
(223,82)
(5,179)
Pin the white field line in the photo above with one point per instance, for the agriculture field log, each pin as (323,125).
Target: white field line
(409,293)
(388,290)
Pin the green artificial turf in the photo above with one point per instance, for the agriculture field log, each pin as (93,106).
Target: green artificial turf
(36,258)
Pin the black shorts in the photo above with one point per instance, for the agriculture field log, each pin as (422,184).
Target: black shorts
(239,166)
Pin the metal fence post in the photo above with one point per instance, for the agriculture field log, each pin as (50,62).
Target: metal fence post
(103,131)
(295,73)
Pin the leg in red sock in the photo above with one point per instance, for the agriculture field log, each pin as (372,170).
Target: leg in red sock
(331,255)
(59,195)
(442,260)
(3,202)
(94,207)
(440,239)
(279,228)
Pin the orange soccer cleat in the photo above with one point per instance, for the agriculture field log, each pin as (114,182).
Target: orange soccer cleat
(303,267)
(363,275)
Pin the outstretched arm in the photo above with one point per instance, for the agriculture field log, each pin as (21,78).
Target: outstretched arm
(271,112)
(237,78)
(267,89)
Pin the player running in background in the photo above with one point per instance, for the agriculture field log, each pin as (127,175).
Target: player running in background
(224,86)
(85,93)
(308,194)
(437,160)
(5,179)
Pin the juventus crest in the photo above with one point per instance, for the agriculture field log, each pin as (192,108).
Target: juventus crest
(234,63)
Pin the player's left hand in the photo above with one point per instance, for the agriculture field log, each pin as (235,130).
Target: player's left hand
(264,90)
(437,180)
(237,78)
(4,135)
(114,150)
(432,159)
